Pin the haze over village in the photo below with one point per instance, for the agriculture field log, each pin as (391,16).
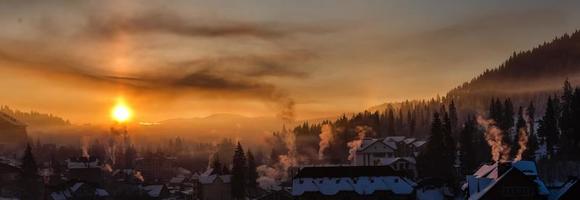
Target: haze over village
(274,100)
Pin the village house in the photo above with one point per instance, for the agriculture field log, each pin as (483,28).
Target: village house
(215,186)
(398,152)
(156,167)
(10,173)
(85,169)
(351,182)
(506,180)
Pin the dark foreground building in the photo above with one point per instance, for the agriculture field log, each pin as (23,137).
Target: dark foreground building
(351,182)
(506,180)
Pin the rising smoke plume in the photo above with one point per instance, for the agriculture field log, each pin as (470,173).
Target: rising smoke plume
(362,132)
(325,140)
(271,176)
(500,150)
(85,146)
(523,137)
(523,142)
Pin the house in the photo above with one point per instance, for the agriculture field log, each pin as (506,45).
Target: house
(85,169)
(215,186)
(351,182)
(156,191)
(408,165)
(399,152)
(372,151)
(156,167)
(569,191)
(12,134)
(10,173)
(506,180)
(79,190)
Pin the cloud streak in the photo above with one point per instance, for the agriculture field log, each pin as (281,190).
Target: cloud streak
(158,21)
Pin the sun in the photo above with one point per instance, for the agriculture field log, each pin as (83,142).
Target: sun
(121,112)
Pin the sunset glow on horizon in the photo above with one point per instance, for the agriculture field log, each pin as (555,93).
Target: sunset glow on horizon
(121,112)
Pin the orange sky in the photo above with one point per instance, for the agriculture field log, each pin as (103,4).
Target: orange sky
(299,59)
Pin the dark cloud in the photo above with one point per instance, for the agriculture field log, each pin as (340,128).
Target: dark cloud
(208,80)
(171,22)
(285,65)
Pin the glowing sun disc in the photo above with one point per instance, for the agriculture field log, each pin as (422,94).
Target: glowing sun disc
(121,113)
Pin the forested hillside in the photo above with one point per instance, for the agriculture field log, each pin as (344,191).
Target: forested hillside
(34,118)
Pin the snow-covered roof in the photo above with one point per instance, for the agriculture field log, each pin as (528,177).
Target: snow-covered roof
(79,163)
(68,193)
(409,140)
(565,188)
(360,179)
(389,161)
(177,180)
(489,174)
(392,145)
(101,192)
(363,185)
(204,179)
(367,142)
(195,176)
(394,138)
(419,143)
(527,167)
(153,190)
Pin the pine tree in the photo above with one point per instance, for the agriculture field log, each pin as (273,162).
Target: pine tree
(508,115)
(453,115)
(449,146)
(252,173)
(467,146)
(530,153)
(498,111)
(29,167)
(30,178)
(391,122)
(400,122)
(216,165)
(575,116)
(548,129)
(434,158)
(531,111)
(239,173)
(492,109)
(411,122)
(566,121)
(226,170)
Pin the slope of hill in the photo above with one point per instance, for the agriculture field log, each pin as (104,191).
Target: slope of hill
(527,76)
(543,68)
(35,119)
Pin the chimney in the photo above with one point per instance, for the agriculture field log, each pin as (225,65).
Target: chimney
(503,167)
